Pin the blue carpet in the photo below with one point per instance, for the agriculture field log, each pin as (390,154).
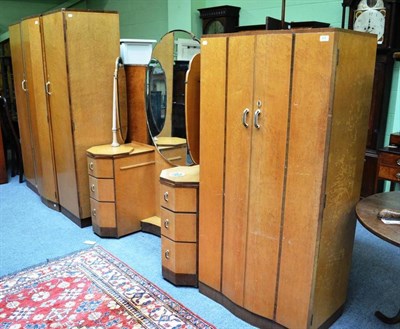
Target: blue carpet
(31,233)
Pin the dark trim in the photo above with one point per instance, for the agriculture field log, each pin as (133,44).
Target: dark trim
(32,187)
(251,318)
(254,319)
(332,318)
(179,279)
(52,205)
(179,184)
(81,222)
(150,228)
(105,232)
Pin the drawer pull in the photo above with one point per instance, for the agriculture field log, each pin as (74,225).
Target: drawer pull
(166,223)
(166,254)
(166,196)
(398,175)
(91,166)
(398,162)
(92,188)
(94,212)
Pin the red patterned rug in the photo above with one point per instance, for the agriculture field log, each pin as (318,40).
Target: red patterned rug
(88,289)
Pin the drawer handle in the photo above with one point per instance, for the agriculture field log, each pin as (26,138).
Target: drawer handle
(166,223)
(91,166)
(398,175)
(166,196)
(166,254)
(398,162)
(94,212)
(92,188)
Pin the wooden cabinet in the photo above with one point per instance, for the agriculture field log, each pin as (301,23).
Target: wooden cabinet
(178,200)
(33,116)
(121,187)
(57,57)
(283,123)
(24,116)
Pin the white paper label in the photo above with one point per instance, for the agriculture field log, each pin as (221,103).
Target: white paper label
(324,38)
(205,43)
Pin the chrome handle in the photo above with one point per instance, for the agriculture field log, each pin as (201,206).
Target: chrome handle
(92,188)
(398,162)
(166,254)
(166,196)
(398,175)
(166,223)
(23,85)
(94,212)
(256,116)
(244,117)
(47,87)
(91,166)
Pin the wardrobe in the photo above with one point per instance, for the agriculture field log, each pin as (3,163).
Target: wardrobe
(283,124)
(74,82)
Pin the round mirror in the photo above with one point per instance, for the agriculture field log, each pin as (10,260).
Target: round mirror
(166,89)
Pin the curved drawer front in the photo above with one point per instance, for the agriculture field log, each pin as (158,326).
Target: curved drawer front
(178,199)
(103,214)
(180,227)
(101,189)
(178,257)
(100,168)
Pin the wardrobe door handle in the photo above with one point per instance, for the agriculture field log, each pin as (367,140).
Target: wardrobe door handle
(47,87)
(256,115)
(244,118)
(23,85)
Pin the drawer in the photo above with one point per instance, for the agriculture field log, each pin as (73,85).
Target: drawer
(389,159)
(178,199)
(101,168)
(103,214)
(179,227)
(389,173)
(101,189)
(179,257)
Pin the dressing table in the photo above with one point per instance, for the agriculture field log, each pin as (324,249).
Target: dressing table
(116,206)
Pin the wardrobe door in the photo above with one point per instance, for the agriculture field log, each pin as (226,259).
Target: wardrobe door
(41,136)
(92,46)
(212,154)
(24,118)
(272,77)
(310,118)
(61,121)
(237,164)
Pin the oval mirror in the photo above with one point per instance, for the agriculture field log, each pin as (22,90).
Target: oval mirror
(166,85)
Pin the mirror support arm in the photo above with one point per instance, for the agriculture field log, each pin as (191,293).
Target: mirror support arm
(118,63)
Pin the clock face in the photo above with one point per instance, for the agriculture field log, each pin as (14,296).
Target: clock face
(215,26)
(371,21)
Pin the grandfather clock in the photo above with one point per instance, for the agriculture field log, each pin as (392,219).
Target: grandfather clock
(221,19)
(381,17)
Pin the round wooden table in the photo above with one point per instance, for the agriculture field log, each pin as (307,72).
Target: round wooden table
(367,211)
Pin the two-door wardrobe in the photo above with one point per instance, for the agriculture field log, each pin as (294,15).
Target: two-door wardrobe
(283,124)
(74,84)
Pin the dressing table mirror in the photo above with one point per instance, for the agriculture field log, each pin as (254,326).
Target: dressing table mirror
(166,107)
